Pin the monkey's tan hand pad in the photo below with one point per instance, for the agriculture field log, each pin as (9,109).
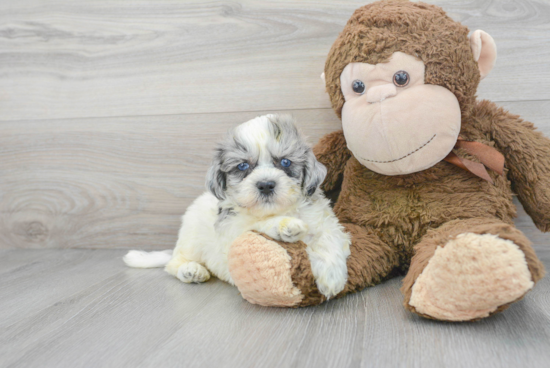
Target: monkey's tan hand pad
(471,277)
(272,273)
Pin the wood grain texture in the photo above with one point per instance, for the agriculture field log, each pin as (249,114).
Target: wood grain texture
(62,59)
(107,183)
(84,308)
(109,111)
(123,182)
(84,165)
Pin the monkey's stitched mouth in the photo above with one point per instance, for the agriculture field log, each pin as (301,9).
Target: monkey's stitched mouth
(400,158)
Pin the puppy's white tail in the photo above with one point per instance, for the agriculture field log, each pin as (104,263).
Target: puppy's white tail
(140,259)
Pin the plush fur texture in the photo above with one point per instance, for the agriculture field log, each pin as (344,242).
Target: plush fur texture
(259,263)
(398,223)
(273,273)
(393,129)
(374,32)
(470,277)
(264,177)
(403,210)
(445,234)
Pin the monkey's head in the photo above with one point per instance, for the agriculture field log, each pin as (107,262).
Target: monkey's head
(402,76)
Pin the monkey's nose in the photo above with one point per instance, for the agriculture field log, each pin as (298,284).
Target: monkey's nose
(266,187)
(380,93)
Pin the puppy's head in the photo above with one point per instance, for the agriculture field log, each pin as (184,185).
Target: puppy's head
(265,165)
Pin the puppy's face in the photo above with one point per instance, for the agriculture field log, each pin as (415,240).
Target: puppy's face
(265,165)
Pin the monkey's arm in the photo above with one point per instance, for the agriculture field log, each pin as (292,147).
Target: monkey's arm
(332,152)
(527,154)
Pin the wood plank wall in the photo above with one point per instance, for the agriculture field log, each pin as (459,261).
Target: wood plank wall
(109,110)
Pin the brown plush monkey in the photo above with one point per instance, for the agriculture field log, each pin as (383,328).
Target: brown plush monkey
(426,173)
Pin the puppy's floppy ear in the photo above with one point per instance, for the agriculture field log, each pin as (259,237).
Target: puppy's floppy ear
(216,178)
(314,174)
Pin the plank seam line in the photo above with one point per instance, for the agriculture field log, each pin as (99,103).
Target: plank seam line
(208,113)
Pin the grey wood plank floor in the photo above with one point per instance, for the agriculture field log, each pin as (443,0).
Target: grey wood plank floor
(109,111)
(63,59)
(84,308)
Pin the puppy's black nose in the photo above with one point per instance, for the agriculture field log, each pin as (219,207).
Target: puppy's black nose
(266,187)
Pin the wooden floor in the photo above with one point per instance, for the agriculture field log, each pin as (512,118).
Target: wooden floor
(84,308)
(109,111)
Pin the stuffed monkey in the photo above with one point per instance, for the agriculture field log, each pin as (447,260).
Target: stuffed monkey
(425,173)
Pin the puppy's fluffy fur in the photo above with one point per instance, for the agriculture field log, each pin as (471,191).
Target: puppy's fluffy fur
(291,208)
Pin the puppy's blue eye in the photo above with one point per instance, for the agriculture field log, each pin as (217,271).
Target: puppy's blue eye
(243,166)
(285,162)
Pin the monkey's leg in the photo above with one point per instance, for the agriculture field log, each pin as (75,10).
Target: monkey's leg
(278,274)
(272,273)
(371,260)
(469,269)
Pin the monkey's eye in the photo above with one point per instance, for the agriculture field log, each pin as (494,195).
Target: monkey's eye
(285,162)
(401,78)
(243,166)
(358,86)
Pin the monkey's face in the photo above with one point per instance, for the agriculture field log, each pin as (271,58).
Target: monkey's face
(395,124)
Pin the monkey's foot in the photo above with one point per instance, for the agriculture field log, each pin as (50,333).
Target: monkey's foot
(272,273)
(471,277)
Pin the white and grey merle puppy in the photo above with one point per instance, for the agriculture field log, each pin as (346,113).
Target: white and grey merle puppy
(264,177)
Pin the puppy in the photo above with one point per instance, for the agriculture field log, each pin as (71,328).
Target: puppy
(264,177)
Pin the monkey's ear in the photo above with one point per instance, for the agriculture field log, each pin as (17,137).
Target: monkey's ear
(485,51)
(323,77)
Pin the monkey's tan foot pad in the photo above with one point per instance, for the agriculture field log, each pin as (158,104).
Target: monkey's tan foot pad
(471,277)
(272,273)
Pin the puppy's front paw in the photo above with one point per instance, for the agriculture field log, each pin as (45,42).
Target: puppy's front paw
(292,229)
(331,283)
(330,274)
(190,272)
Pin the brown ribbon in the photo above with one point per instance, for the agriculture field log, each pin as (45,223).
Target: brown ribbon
(488,156)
